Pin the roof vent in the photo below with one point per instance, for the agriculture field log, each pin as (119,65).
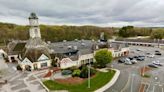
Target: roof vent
(75,47)
(70,47)
(83,44)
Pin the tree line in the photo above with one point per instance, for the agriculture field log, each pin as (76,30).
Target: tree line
(56,33)
(53,33)
(130,31)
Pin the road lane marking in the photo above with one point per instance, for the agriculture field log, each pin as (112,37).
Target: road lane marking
(126,85)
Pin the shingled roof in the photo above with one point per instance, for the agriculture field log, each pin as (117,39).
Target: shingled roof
(34,54)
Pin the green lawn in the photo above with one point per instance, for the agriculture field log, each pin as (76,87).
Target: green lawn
(98,81)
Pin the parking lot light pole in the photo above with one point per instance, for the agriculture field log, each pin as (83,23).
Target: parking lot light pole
(143,70)
(89,74)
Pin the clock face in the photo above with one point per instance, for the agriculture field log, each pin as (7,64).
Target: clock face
(34,22)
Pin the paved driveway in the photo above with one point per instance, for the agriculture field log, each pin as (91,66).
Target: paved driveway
(22,82)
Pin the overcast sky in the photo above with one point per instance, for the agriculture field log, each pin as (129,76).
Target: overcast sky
(85,12)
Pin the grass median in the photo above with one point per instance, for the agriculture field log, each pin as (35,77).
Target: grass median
(99,80)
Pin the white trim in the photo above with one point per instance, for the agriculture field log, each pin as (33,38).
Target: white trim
(43,57)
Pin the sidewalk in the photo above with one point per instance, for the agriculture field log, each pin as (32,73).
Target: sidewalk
(111,83)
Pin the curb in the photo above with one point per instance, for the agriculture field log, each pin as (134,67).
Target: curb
(110,83)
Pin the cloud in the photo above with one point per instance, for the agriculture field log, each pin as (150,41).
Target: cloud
(81,12)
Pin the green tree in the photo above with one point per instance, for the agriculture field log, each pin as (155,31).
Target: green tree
(84,72)
(157,34)
(103,57)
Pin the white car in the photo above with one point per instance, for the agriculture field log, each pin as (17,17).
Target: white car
(134,61)
(157,62)
(151,55)
(127,61)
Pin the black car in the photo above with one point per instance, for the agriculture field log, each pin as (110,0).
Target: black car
(148,53)
(121,60)
(158,53)
(131,58)
(140,59)
(135,56)
(153,66)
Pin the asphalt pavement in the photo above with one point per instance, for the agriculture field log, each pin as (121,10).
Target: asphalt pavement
(130,79)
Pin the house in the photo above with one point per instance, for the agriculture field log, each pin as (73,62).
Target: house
(3,53)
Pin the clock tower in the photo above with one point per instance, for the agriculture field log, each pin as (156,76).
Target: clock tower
(34,26)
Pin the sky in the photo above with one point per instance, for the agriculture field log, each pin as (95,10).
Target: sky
(113,13)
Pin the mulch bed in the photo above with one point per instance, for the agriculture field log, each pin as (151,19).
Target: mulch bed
(142,88)
(71,80)
(144,69)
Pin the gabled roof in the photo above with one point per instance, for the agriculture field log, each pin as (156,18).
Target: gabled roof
(19,47)
(34,54)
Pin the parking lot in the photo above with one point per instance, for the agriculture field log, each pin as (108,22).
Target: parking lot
(130,79)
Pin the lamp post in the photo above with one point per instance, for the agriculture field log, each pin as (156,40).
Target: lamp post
(89,85)
(111,68)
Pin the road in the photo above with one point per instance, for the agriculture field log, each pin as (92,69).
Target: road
(130,79)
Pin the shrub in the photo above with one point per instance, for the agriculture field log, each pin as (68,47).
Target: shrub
(54,64)
(84,72)
(72,68)
(19,68)
(76,73)
(146,76)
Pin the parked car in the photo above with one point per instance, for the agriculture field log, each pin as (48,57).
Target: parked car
(138,49)
(122,60)
(158,53)
(66,72)
(127,61)
(150,55)
(134,61)
(157,62)
(156,50)
(135,57)
(147,53)
(131,58)
(153,66)
(141,58)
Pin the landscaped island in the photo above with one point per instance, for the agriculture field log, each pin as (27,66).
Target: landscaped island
(96,82)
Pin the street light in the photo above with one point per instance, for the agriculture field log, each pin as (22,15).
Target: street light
(111,68)
(89,85)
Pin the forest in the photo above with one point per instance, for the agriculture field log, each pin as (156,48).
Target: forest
(56,33)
